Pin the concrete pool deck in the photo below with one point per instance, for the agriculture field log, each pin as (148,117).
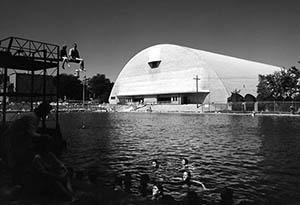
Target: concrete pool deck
(189,109)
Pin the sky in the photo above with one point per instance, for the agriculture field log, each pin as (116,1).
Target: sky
(110,32)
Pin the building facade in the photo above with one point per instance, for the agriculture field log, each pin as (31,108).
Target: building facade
(179,75)
(24,85)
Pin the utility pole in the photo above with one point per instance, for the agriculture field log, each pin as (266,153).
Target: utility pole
(77,74)
(83,90)
(197,79)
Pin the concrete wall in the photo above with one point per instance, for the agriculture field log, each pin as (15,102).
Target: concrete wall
(150,99)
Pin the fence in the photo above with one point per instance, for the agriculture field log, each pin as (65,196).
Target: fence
(264,106)
(72,106)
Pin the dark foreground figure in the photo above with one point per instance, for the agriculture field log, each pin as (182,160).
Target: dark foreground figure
(26,154)
(20,139)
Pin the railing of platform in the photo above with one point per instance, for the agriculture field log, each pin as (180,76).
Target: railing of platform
(30,48)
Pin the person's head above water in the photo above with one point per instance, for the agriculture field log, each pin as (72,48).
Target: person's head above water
(186,176)
(43,109)
(75,45)
(184,161)
(157,190)
(64,47)
(154,163)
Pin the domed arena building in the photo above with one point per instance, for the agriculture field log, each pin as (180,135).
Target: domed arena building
(179,75)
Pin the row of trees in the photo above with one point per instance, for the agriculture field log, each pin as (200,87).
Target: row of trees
(97,87)
(281,85)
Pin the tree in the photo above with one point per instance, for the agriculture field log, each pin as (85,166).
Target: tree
(281,85)
(265,88)
(100,87)
(290,82)
(70,87)
(236,99)
(235,96)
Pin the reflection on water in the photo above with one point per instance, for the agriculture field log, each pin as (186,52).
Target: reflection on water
(257,156)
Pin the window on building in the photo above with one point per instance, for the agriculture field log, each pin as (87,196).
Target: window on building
(112,97)
(154,64)
(164,99)
(174,98)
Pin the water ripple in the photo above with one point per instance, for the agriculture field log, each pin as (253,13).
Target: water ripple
(257,157)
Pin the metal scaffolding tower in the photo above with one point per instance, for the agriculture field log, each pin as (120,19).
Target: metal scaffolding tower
(31,56)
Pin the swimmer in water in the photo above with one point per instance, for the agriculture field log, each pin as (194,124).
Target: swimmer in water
(157,192)
(155,164)
(186,165)
(155,172)
(187,180)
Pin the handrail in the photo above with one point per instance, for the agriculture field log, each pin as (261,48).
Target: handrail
(26,47)
(51,44)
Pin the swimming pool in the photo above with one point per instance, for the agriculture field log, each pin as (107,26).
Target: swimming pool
(258,157)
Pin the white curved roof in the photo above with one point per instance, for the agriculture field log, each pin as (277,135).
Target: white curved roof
(219,74)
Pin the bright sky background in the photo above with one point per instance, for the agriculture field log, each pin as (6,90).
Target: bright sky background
(110,32)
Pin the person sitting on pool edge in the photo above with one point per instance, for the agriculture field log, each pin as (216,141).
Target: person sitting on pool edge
(64,56)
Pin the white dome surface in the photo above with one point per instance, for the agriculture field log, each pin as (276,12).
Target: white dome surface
(219,74)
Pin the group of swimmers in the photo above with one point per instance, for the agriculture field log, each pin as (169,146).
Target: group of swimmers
(152,185)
